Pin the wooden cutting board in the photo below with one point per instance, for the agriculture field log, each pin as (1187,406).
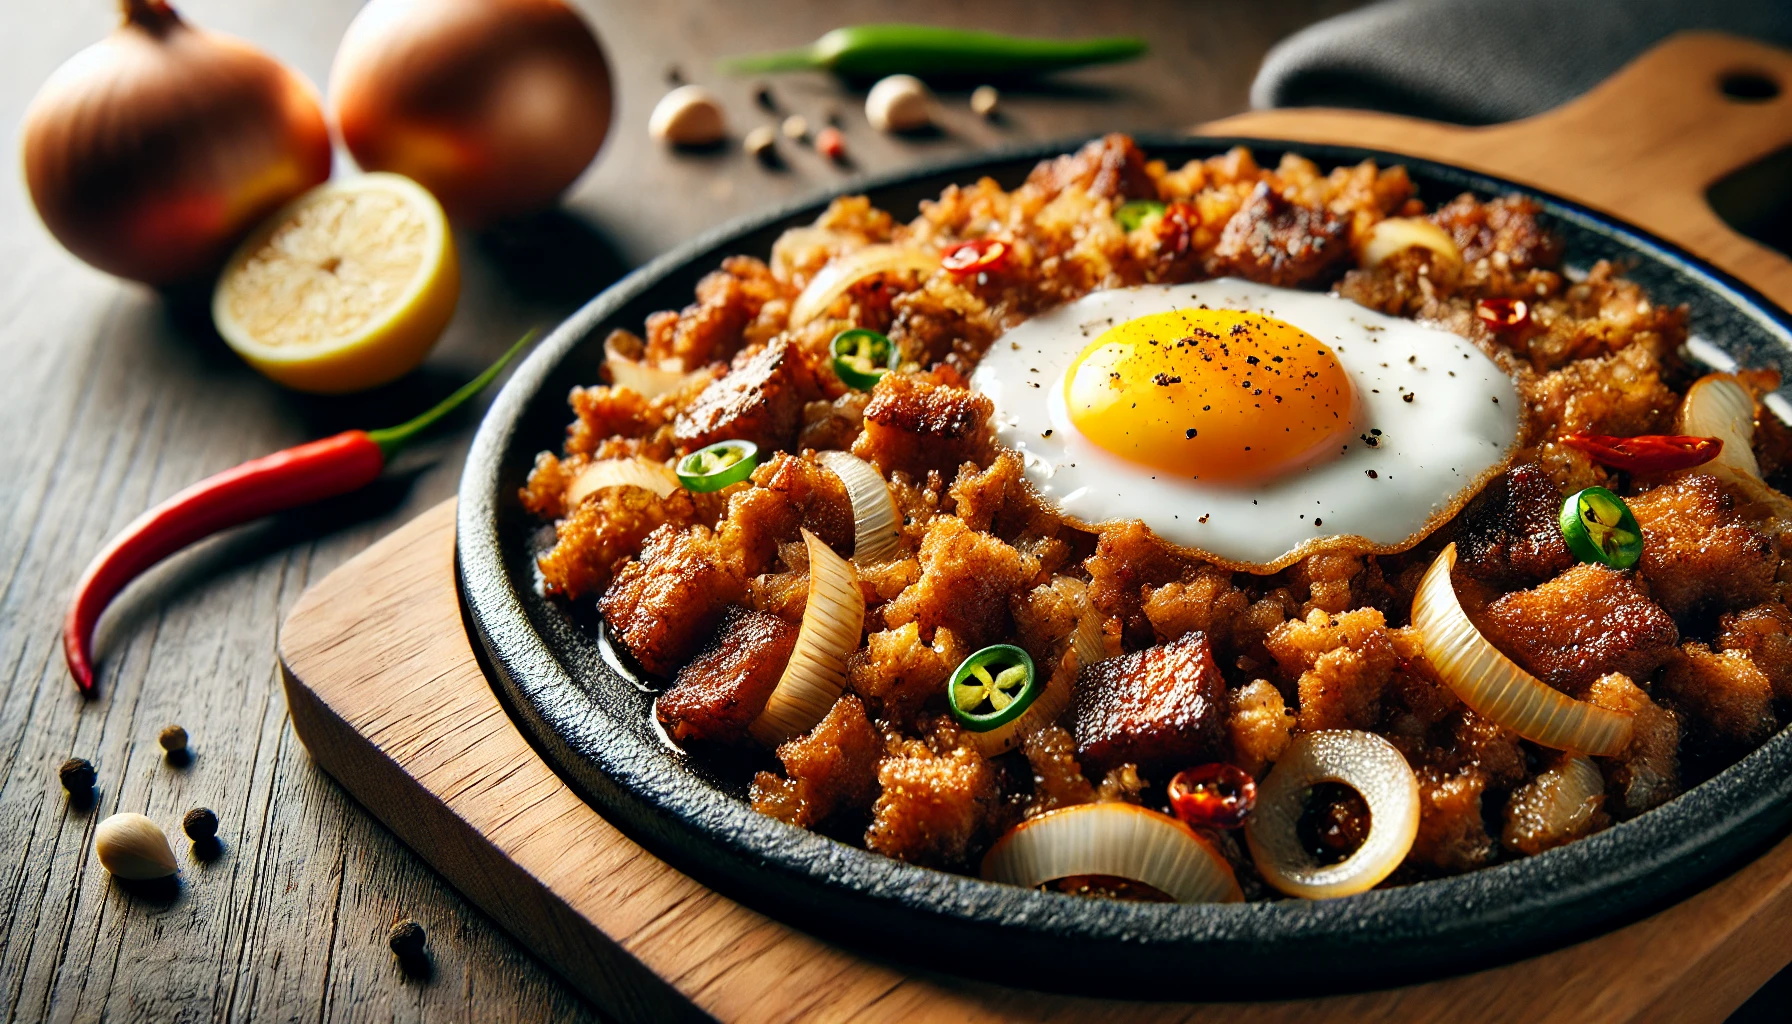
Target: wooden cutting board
(385,691)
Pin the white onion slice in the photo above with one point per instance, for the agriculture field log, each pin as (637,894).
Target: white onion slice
(1087,640)
(1115,839)
(1555,806)
(643,473)
(1493,684)
(1717,405)
(649,380)
(1366,763)
(1390,236)
(843,272)
(875,523)
(833,625)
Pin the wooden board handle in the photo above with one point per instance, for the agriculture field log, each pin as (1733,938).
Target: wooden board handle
(1644,145)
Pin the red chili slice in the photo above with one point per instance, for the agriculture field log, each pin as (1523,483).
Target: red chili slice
(977,256)
(1646,453)
(1176,228)
(1504,316)
(1217,795)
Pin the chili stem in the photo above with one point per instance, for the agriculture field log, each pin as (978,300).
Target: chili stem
(392,439)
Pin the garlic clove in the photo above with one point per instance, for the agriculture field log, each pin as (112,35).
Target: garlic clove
(899,103)
(689,115)
(131,846)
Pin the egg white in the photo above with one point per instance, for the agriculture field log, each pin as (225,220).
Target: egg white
(1430,455)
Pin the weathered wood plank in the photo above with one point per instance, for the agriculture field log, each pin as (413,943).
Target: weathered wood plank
(112,397)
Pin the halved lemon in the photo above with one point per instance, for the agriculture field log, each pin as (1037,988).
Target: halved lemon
(347,287)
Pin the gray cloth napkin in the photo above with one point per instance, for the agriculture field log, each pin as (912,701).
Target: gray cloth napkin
(1486,61)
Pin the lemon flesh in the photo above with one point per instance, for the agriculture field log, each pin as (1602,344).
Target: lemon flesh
(347,287)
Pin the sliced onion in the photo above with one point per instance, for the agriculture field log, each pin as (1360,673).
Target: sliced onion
(842,273)
(1390,236)
(1717,405)
(1555,806)
(875,522)
(649,380)
(1493,684)
(1366,763)
(1087,640)
(1115,839)
(833,625)
(643,473)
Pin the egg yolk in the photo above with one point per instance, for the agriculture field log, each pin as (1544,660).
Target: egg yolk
(1211,394)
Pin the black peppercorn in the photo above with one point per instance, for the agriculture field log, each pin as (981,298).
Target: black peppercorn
(200,824)
(406,938)
(77,775)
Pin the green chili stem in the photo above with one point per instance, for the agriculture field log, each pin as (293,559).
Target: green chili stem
(392,439)
(873,51)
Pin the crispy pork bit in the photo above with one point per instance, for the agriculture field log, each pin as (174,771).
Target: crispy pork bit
(761,400)
(1111,167)
(1647,774)
(665,601)
(1698,554)
(914,426)
(832,769)
(1577,627)
(1275,241)
(1163,707)
(1726,701)
(726,686)
(1510,535)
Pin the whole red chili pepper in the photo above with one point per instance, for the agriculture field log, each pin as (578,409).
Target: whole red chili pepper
(977,256)
(297,476)
(1646,453)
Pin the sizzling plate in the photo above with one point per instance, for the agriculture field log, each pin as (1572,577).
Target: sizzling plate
(593,723)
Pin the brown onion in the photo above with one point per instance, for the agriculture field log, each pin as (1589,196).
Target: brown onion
(151,152)
(496,106)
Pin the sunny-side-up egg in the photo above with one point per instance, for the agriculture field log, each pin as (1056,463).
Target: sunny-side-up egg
(1254,424)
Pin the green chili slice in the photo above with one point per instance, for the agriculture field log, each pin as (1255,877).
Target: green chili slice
(715,467)
(862,356)
(1599,528)
(1138,211)
(992,687)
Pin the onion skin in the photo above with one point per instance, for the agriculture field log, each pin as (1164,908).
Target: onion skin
(151,152)
(496,106)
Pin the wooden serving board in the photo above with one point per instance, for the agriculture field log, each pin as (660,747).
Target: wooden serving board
(386,693)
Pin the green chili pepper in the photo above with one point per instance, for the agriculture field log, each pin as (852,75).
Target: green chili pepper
(873,51)
(1136,212)
(715,467)
(992,687)
(1599,528)
(862,356)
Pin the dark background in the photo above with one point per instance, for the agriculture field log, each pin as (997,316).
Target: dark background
(112,397)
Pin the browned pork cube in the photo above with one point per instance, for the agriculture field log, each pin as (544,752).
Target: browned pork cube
(761,400)
(1276,241)
(915,426)
(725,687)
(665,601)
(1587,622)
(1510,535)
(1698,553)
(1163,707)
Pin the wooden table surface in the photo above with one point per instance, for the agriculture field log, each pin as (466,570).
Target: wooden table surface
(113,397)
